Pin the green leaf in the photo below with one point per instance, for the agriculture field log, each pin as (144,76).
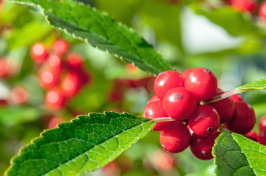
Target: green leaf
(18,114)
(83,145)
(256,85)
(239,156)
(101,31)
(234,22)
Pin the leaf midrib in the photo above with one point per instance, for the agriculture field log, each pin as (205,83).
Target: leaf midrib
(90,148)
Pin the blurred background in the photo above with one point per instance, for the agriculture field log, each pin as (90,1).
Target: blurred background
(227,37)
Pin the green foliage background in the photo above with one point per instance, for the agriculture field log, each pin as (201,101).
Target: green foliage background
(162,25)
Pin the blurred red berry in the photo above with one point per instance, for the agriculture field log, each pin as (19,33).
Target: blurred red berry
(54,122)
(262,11)
(55,99)
(4,70)
(55,61)
(262,122)
(19,95)
(74,60)
(39,52)
(70,85)
(111,169)
(61,46)
(262,135)
(244,5)
(49,77)
(164,162)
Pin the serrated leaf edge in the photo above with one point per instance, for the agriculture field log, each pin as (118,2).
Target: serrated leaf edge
(59,126)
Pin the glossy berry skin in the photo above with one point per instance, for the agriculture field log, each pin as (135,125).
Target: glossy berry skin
(54,99)
(236,98)
(179,103)
(185,73)
(71,84)
(243,120)
(61,46)
(201,146)
(155,110)
(154,98)
(39,52)
(252,135)
(202,83)
(49,77)
(175,137)
(4,71)
(224,107)
(166,81)
(205,121)
(74,60)
(262,122)
(262,11)
(262,136)
(244,5)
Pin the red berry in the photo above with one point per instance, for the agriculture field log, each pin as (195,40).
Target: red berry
(262,11)
(262,122)
(155,110)
(55,61)
(224,107)
(74,60)
(61,46)
(244,5)
(55,99)
(252,135)
(262,136)
(202,83)
(166,81)
(205,121)
(49,77)
(154,98)
(179,103)
(39,52)
(243,120)
(175,137)
(185,73)
(70,85)
(236,98)
(111,169)
(4,70)
(54,122)
(201,146)
(164,162)
(19,95)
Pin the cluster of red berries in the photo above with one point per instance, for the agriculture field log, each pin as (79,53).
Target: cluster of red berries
(60,73)
(249,6)
(179,95)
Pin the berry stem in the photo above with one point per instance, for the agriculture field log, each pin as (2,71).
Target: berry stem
(222,128)
(222,96)
(162,119)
